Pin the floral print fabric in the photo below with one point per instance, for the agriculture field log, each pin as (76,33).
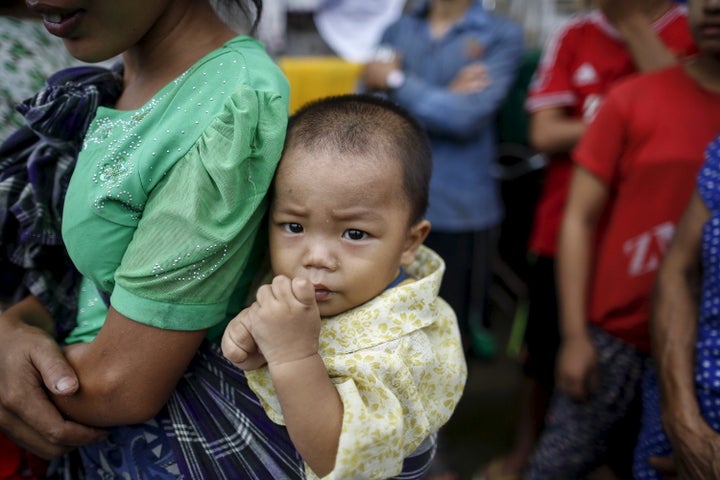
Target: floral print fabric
(398,364)
(28,56)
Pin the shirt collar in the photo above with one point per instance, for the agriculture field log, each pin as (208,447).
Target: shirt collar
(475,16)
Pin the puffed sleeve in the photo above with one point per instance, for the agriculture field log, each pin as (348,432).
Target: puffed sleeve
(199,224)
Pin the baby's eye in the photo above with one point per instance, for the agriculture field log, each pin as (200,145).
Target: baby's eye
(293,227)
(353,234)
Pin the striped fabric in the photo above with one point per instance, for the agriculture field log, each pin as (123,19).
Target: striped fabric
(220,430)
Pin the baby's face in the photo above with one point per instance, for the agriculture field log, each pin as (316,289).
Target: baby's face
(340,222)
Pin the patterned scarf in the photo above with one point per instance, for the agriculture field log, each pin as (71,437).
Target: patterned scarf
(36,163)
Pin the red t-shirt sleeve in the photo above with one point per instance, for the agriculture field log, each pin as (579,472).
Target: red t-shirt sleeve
(600,150)
(551,85)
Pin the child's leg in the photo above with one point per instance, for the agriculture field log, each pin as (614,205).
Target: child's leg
(575,440)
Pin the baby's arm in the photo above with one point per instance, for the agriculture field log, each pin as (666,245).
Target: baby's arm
(285,323)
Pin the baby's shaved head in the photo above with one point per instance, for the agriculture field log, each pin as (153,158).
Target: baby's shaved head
(369,127)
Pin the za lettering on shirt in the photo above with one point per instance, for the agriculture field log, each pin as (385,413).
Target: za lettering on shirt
(645,251)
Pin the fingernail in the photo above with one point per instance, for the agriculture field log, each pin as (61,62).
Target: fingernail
(65,384)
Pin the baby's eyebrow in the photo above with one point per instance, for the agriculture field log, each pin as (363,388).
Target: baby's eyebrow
(356,214)
(288,209)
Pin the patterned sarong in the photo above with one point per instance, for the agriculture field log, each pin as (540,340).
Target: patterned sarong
(220,430)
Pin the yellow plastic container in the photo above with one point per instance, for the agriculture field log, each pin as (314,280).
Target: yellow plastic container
(312,78)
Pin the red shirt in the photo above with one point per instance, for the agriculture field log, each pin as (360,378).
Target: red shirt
(18,464)
(646,144)
(580,63)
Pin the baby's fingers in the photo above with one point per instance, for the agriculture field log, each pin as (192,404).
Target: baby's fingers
(303,290)
(237,342)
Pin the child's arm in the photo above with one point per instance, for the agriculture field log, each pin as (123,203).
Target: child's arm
(552,130)
(577,358)
(312,410)
(285,323)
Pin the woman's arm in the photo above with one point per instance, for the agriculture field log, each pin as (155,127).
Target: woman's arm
(127,373)
(674,333)
(674,315)
(577,357)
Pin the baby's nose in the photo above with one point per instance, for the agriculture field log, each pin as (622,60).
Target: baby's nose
(320,255)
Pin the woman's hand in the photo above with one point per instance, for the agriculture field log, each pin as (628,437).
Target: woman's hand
(696,448)
(31,362)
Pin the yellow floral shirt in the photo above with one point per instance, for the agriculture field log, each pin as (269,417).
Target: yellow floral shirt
(398,364)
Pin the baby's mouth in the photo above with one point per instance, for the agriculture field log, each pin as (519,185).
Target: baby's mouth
(322,293)
(53,18)
(56,18)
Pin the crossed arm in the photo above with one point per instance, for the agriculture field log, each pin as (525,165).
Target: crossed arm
(124,376)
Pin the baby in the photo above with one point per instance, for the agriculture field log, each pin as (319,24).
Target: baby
(357,354)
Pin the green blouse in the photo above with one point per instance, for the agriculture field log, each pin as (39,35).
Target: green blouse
(165,204)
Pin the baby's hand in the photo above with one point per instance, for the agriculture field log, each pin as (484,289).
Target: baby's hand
(285,320)
(238,345)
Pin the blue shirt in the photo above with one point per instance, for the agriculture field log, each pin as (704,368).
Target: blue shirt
(464,196)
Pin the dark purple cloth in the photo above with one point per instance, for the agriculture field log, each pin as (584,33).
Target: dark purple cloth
(36,163)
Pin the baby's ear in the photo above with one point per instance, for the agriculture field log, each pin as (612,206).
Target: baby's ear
(416,236)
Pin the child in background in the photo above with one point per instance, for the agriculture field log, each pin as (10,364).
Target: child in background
(582,59)
(364,360)
(635,168)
